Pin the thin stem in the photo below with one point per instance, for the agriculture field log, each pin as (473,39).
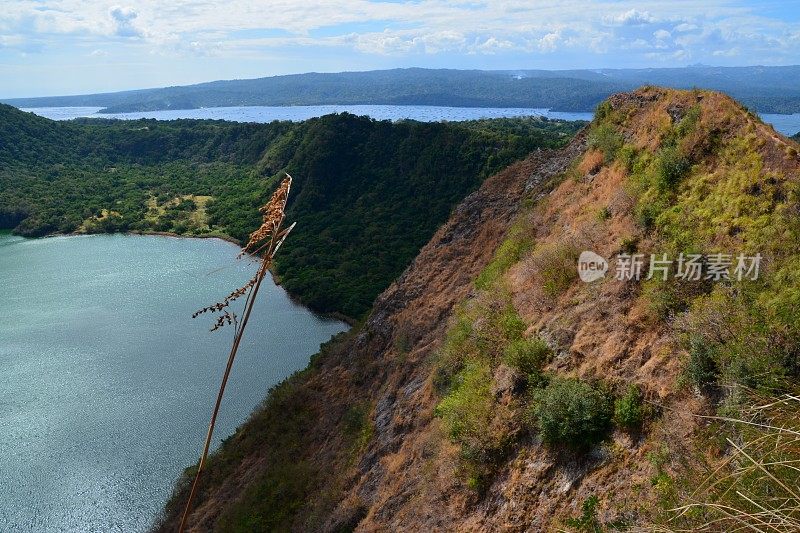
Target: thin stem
(251,298)
(270,231)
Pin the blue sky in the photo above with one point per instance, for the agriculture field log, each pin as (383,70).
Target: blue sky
(78,46)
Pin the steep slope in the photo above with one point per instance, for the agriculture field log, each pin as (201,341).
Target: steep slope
(367,385)
(490,389)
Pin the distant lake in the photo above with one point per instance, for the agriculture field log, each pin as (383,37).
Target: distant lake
(108,383)
(786,124)
(298,113)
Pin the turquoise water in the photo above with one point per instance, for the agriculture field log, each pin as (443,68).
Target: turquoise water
(106,382)
(786,124)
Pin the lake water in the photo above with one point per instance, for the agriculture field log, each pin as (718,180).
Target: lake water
(106,382)
(298,113)
(786,124)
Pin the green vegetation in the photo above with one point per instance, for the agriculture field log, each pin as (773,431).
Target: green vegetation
(555,264)
(358,426)
(709,183)
(736,333)
(606,139)
(485,332)
(672,167)
(630,411)
(367,194)
(588,521)
(528,357)
(482,331)
(512,249)
(467,413)
(572,413)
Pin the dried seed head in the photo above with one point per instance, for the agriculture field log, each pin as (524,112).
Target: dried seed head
(265,241)
(273,214)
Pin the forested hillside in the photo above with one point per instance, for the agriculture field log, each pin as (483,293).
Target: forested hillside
(367,194)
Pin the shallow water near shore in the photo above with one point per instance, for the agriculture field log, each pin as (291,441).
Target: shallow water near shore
(106,382)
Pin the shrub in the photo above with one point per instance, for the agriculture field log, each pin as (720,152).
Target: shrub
(627,156)
(467,409)
(588,520)
(527,356)
(629,410)
(672,167)
(472,419)
(629,245)
(573,413)
(646,214)
(663,298)
(357,425)
(482,329)
(510,324)
(555,264)
(606,139)
(702,369)
(603,110)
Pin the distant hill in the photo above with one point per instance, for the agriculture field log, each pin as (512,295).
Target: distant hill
(765,89)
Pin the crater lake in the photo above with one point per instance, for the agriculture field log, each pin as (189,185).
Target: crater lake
(107,383)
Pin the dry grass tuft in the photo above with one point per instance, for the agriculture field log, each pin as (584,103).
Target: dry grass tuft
(265,241)
(757,487)
(591,162)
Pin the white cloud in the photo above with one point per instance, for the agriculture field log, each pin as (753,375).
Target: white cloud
(632,17)
(599,28)
(122,20)
(492,45)
(685,26)
(549,42)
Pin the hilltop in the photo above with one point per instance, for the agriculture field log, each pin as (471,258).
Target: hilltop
(766,89)
(491,389)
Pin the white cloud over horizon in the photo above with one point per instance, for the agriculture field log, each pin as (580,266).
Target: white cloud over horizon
(180,41)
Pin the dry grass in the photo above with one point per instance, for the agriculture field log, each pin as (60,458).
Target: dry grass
(591,162)
(757,487)
(264,242)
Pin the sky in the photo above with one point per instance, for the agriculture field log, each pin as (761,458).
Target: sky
(54,47)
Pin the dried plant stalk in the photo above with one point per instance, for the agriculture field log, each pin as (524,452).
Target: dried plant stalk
(757,487)
(265,241)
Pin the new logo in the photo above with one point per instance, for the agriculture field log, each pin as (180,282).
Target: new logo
(591,266)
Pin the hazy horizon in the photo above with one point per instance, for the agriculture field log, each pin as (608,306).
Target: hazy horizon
(144,88)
